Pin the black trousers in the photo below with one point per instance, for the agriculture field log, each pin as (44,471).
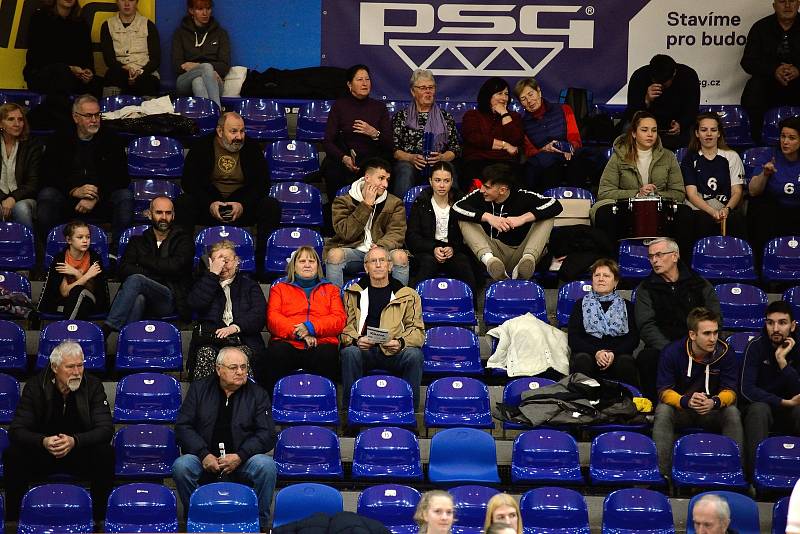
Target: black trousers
(23,465)
(623,368)
(766,219)
(647,363)
(461,267)
(78,305)
(56,78)
(144,85)
(759,419)
(762,93)
(282,359)
(263,211)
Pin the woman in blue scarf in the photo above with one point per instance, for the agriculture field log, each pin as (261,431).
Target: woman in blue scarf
(423,135)
(602,330)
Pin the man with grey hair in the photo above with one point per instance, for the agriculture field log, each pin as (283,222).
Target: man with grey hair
(225,182)
(62,425)
(225,431)
(663,301)
(85,174)
(422,119)
(711,514)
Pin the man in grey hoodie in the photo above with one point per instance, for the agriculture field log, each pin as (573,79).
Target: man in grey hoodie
(367,216)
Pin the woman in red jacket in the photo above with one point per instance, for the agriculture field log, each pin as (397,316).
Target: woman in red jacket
(305,316)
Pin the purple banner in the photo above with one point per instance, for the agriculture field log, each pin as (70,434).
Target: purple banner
(562,44)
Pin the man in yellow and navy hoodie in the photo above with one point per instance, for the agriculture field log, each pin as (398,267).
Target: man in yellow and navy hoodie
(697,382)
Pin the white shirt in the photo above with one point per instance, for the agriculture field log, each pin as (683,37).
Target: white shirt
(442,216)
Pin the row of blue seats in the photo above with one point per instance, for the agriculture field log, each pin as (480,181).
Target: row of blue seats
(231,507)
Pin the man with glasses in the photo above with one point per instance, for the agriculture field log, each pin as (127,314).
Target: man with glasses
(225,431)
(663,301)
(772,58)
(85,175)
(62,425)
(366,217)
(378,305)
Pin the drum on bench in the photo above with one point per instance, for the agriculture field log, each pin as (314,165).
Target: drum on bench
(646,217)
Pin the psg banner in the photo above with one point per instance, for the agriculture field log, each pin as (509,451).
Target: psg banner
(594,44)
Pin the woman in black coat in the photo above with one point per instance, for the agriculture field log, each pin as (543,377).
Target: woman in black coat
(433,236)
(230,307)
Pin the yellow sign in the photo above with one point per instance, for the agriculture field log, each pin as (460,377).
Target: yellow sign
(12,54)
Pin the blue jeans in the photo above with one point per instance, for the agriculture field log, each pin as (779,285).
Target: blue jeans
(404,177)
(136,295)
(407,364)
(200,81)
(259,471)
(23,211)
(354,263)
(54,208)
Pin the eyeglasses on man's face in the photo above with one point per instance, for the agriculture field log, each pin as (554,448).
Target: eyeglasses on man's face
(659,255)
(89,116)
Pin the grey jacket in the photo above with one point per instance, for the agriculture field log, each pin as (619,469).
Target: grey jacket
(207,45)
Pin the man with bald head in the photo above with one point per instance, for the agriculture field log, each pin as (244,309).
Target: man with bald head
(226,182)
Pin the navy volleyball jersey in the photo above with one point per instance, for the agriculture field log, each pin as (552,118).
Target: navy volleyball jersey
(714,178)
(784,185)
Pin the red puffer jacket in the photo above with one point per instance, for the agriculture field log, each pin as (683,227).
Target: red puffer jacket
(288,306)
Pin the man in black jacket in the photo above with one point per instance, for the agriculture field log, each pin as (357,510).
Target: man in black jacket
(62,425)
(85,175)
(663,301)
(156,271)
(507,228)
(224,430)
(226,181)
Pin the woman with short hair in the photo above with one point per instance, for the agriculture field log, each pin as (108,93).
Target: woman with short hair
(131,51)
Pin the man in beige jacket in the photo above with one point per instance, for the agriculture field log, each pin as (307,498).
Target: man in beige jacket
(380,302)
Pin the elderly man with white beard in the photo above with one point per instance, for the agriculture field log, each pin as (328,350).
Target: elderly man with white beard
(62,425)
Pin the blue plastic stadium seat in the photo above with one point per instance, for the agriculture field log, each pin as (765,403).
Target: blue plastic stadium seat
(56,243)
(301,204)
(463,456)
(735,121)
(142,507)
(283,241)
(625,458)
(113,103)
(240,237)
(87,335)
(680,154)
(470,507)
(3,446)
(26,99)
(570,192)
(155,156)
(386,453)
(512,395)
(17,249)
(452,350)
(507,299)
(554,510)
(792,296)
(145,191)
(343,190)
(777,463)
(744,512)
(147,398)
(312,118)
(144,451)
(780,514)
(742,306)
(633,262)
(707,460)
(543,456)
(223,507)
(149,346)
(203,111)
(456,109)
(308,452)
(723,259)
(637,510)
(754,159)
(127,234)
(737,342)
(55,508)
(782,260)
(568,295)
(381,400)
(12,282)
(303,399)
(299,501)
(291,161)
(9,397)
(446,301)
(391,504)
(458,402)
(770,132)
(411,196)
(263,119)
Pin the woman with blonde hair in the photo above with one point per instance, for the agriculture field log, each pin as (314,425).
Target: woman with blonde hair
(435,512)
(19,166)
(305,316)
(504,509)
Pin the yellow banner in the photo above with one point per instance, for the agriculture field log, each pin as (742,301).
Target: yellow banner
(15,14)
